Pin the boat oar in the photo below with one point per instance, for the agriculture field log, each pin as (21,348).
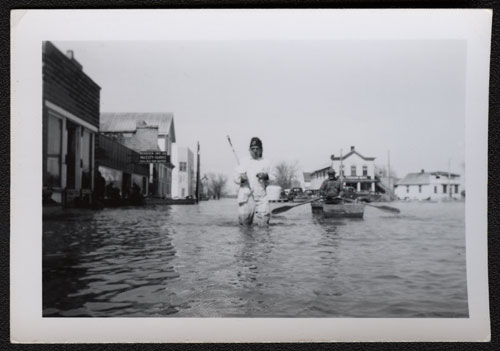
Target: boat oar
(289,207)
(238,163)
(381,207)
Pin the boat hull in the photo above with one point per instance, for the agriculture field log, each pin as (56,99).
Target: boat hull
(345,210)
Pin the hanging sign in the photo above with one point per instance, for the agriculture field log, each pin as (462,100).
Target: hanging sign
(153,157)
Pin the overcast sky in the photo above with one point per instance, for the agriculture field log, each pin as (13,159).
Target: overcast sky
(306,100)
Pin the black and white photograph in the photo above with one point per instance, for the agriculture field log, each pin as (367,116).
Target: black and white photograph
(322,177)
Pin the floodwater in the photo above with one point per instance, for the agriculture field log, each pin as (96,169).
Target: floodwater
(195,261)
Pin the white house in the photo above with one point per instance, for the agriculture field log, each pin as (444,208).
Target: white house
(183,174)
(429,186)
(356,171)
(306,180)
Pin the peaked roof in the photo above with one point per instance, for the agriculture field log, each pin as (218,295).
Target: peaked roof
(419,178)
(422,178)
(350,153)
(111,122)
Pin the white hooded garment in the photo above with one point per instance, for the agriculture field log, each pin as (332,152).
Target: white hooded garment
(253,167)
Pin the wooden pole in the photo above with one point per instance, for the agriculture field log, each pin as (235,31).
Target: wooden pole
(449,176)
(198,173)
(389,178)
(341,171)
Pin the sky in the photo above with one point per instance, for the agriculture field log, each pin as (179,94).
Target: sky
(305,100)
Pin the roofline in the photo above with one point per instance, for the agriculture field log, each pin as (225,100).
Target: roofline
(350,153)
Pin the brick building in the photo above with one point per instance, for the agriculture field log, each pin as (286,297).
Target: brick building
(70,125)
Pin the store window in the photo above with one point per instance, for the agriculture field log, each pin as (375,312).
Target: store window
(54,143)
(86,156)
(353,171)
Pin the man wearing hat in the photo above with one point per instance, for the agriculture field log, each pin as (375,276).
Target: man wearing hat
(331,188)
(253,176)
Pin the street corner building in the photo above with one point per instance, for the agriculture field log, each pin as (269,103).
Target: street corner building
(357,171)
(143,133)
(70,125)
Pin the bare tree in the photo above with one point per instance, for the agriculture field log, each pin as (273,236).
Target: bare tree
(216,184)
(286,174)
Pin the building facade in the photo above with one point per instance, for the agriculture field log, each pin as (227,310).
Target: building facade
(306,180)
(429,186)
(143,132)
(356,171)
(70,125)
(120,167)
(183,183)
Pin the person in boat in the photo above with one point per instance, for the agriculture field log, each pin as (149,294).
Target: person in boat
(331,189)
(253,176)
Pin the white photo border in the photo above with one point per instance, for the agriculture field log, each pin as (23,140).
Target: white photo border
(30,27)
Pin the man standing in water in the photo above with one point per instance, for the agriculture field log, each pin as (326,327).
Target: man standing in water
(331,188)
(253,177)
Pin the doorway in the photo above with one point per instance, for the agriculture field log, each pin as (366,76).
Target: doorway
(72,131)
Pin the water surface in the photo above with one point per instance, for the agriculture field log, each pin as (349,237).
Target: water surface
(195,261)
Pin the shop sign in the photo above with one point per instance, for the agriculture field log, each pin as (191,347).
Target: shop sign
(153,157)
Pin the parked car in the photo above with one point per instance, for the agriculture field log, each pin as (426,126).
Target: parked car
(283,196)
(309,193)
(294,192)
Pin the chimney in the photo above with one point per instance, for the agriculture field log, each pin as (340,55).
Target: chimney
(352,148)
(422,171)
(71,55)
(146,137)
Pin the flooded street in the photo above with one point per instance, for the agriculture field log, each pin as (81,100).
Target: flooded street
(195,261)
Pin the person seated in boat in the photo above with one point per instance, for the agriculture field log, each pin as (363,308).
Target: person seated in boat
(253,176)
(331,189)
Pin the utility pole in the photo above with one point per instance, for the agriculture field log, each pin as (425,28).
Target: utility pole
(389,178)
(198,173)
(449,176)
(341,171)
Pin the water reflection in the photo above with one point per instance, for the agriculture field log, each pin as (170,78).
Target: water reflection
(107,269)
(196,261)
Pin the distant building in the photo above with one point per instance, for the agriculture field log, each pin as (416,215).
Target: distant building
(145,132)
(306,183)
(183,174)
(356,170)
(70,125)
(429,186)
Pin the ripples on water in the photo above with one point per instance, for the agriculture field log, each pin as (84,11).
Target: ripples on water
(195,261)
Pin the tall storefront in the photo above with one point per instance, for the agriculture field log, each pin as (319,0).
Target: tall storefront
(70,125)
(145,132)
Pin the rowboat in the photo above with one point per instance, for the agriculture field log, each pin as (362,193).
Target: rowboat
(342,210)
